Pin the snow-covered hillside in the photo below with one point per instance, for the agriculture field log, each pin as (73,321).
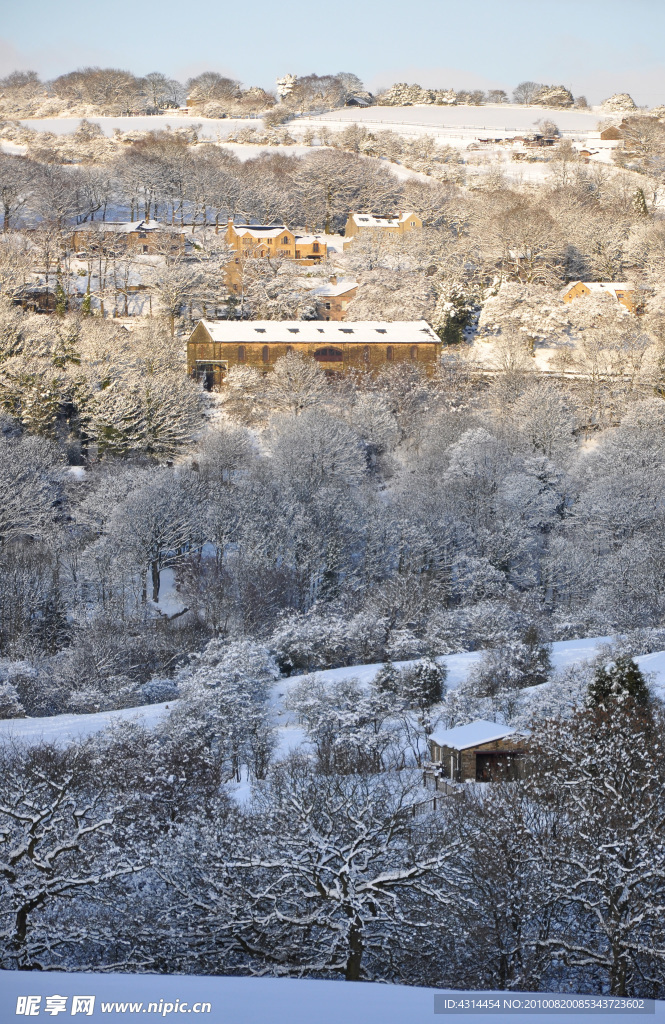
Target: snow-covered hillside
(63,729)
(259,1000)
(468,122)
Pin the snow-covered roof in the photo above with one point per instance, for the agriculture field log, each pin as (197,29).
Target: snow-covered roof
(372,220)
(603,286)
(260,231)
(472,735)
(308,239)
(314,332)
(343,285)
(125,227)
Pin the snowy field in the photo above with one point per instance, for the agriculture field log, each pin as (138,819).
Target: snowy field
(469,122)
(266,1000)
(210,128)
(64,729)
(464,123)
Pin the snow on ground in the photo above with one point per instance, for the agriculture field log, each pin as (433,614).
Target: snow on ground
(259,1000)
(654,665)
(210,128)
(63,729)
(463,122)
(169,603)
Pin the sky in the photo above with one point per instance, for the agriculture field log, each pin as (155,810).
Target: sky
(594,47)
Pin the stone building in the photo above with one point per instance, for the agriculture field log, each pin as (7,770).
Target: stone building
(394,224)
(478,752)
(214,347)
(265,241)
(141,236)
(622,292)
(332,299)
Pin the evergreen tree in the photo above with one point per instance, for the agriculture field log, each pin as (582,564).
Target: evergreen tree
(618,682)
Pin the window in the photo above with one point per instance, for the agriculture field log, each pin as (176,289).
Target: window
(265,354)
(145,248)
(413,223)
(285,240)
(297,254)
(327,305)
(142,234)
(414,351)
(315,247)
(328,355)
(268,241)
(389,353)
(241,353)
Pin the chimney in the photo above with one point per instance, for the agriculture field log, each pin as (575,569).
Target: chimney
(333,279)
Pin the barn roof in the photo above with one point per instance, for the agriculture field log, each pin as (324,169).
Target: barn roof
(324,332)
(473,734)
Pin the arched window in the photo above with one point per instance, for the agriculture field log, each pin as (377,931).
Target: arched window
(389,353)
(328,355)
(241,353)
(366,356)
(414,351)
(265,354)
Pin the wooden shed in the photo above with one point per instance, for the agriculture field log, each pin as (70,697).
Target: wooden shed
(478,752)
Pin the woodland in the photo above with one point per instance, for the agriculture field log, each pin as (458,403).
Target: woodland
(161,544)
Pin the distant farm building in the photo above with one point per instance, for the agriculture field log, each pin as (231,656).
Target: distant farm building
(394,224)
(623,293)
(332,299)
(478,752)
(613,133)
(214,347)
(265,241)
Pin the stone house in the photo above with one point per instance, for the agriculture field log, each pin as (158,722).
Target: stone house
(214,347)
(141,236)
(478,752)
(395,224)
(263,241)
(332,299)
(623,292)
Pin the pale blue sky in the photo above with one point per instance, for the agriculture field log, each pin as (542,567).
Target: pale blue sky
(593,47)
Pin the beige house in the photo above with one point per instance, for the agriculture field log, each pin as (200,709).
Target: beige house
(265,241)
(394,224)
(622,292)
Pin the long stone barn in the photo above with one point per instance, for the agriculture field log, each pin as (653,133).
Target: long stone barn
(214,347)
